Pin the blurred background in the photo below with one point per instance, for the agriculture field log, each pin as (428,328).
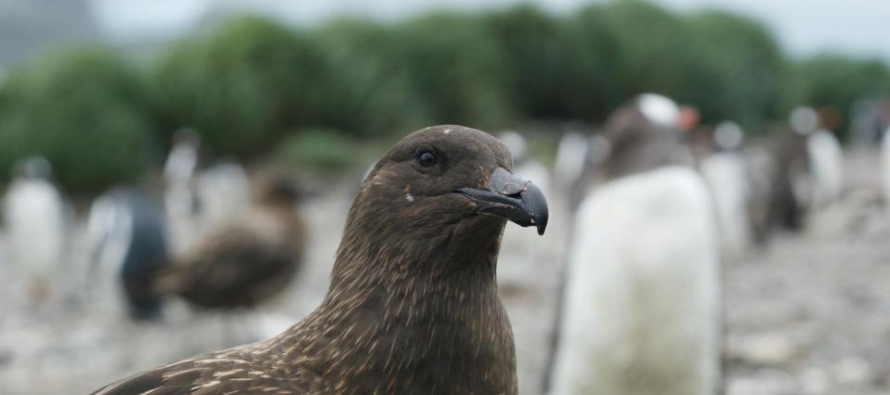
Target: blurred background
(120,117)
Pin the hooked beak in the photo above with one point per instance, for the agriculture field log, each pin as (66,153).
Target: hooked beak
(511,197)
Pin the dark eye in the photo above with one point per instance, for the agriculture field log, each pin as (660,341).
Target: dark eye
(426,158)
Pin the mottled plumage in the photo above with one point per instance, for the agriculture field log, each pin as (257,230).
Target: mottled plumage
(245,261)
(413,306)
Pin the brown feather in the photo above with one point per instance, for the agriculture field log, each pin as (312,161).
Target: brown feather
(413,306)
(243,262)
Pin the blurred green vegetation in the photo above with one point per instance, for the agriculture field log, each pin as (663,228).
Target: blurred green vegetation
(326,149)
(739,70)
(241,85)
(456,67)
(838,82)
(252,86)
(86,110)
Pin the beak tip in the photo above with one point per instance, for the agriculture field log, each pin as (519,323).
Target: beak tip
(541,224)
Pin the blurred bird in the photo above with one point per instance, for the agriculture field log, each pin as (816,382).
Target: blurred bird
(885,168)
(571,154)
(413,306)
(760,166)
(180,199)
(199,197)
(826,164)
(180,168)
(793,183)
(725,172)
(245,261)
(641,308)
(39,224)
(223,194)
(127,232)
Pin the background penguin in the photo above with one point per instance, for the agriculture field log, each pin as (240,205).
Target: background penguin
(726,175)
(180,198)
(789,173)
(223,194)
(200,196)
(128,248)
(826,162)
(39,227)
(641,309)
(885,168)
(571,154)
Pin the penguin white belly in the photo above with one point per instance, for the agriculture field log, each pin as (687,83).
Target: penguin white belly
(826,161)
(725,175)
(37,226)
(570,157)
(641,310)
(110,229)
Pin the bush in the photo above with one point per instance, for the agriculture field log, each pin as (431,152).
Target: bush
(740,70)
(534,52)
(85,110)
(558,68)
(246,83)
(456,69)
(365,95)
(650,53)
(242,85)
(328,149)
(838,81)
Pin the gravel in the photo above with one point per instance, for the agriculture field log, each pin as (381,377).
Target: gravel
(807,314)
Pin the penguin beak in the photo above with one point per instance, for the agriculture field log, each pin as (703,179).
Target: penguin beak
(511,197)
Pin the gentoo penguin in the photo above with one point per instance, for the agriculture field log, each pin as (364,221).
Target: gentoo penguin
(726,174)
(180,198)
(223,193)
(786,161)
(179,169)
(571,154)
(127,233)
(808,175)
(826,165)
(200,197)
(885,167)
(641,305)
(38,221)
(522,249)
(760,168)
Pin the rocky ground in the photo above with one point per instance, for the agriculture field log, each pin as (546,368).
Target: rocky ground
(808,314)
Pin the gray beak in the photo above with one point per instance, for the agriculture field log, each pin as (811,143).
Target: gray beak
(511,197)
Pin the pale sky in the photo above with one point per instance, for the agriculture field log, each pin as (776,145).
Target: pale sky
(803,27)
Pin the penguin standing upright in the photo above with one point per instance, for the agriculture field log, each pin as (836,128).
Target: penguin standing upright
(38,221)
(641,308)
(128,247)
(726,174)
